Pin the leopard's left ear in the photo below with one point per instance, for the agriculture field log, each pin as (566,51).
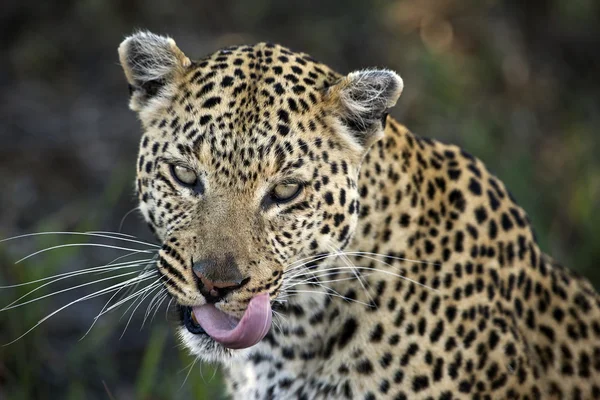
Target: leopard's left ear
(151,64)
(361,100)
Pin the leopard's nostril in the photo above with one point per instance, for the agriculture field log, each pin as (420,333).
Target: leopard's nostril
(217,277)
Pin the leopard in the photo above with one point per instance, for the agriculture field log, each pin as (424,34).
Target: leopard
(316,248)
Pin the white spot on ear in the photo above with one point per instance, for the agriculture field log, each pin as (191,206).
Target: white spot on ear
(151,64)
(369,93)
(147,57)
(362,99)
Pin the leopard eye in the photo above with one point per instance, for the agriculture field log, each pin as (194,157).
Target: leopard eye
(184,176)
(285,192)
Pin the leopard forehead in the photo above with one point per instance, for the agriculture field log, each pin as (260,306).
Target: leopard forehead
(241,112)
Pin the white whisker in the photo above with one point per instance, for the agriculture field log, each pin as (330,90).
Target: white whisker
(85,245)
(355,272)
(91,233)
(79,300)
(131,296)
(382,271)
(328,294)
(161,301)
(113,233)
(135,284)
(168,307)
(189,371)
(148,290)
(153,302)
(126,215)
(70,274)
(12,305)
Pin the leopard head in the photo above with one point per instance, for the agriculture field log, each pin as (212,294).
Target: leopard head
(248,164)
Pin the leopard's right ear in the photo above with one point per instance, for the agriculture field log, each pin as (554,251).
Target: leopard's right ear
(151,63)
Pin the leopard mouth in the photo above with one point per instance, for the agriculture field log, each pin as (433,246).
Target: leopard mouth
(227,330)
(190,322)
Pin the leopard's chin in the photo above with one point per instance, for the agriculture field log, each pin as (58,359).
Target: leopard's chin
(206,348)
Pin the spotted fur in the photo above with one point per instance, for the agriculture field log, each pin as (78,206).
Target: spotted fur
(450,297)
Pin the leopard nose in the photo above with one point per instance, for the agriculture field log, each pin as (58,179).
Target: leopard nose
(217,277)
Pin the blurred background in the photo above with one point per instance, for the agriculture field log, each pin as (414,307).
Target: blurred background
(516,83)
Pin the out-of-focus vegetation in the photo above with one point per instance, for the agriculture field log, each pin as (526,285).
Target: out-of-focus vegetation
(516,83)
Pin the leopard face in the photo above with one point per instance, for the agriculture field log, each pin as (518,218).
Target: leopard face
(248,164)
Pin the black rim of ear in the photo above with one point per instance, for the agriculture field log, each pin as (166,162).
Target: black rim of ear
(384,120)
(151,88)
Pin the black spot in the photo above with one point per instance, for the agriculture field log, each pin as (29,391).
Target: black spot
(454,174)
(283,130)
(404,220)
(377,333)
(227,81)
(507,224)
(475,187)
(420,382)
(205,89)
(211,102)
(493,229)
(283,116)
(347,332)
(205,119)
(386,360)
(364,367)
(494,203)
(457,199)
(450,313)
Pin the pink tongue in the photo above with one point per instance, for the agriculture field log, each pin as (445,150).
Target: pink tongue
(232,333)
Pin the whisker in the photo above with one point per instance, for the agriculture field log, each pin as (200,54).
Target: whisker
(292,283)
(102,270)
(276,314)
(79,300)
(101,245)
(168,307)
(189,371)
(103,308)
(310,281)
(329,294)
(298,269)
(135,282)
(77,272)
(364,255)
(130,289)
(113,233)
(382,271)
(131,296)
(125,217)
(403,277)
(319,257)
(310,259)
(355,272)
(360,253)
(153,302)
(147,292)
(162,300)
(91,233)
(12,305)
